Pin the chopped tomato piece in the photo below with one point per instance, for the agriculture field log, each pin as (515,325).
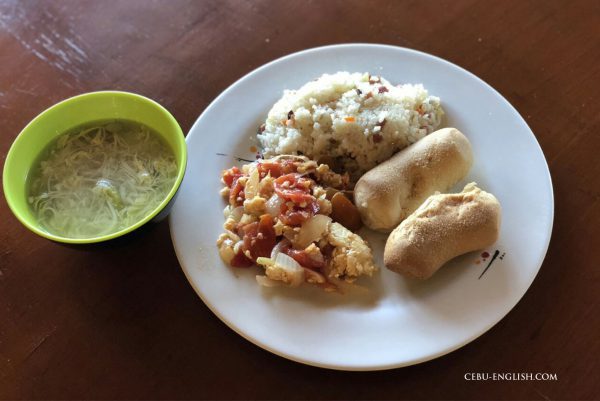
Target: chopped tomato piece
(259,237)
(267,238)
(276,168)
(247,229)
(294,217)
(272,168)
(240,260)
(237,191)
(293,188)
(297,215)
(305,259)
(230,175)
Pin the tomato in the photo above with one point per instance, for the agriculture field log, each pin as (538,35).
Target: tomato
(305,260)
(230,175)
(231,178)
(237,191)
(294,217)
(276,168)
(269,167)
(259,237)
(240,260)
(294,188)
(297,215)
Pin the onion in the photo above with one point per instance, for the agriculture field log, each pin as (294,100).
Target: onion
(262,261)
(226,251)
(273,205)
(232,235)
(287,262)
(267,282)
(313,277)
(312,230)
(237,213)
(237,247)
(283,268)
(281,245)
(251,187)
(293,270)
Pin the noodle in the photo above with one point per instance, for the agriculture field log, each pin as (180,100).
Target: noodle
(100,179)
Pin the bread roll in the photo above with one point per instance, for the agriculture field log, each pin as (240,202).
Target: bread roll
(388,193)
(445,226)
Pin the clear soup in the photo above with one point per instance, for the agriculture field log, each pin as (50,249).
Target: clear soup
(100,178)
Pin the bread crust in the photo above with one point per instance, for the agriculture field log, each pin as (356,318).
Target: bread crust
(390,192)
(445,226)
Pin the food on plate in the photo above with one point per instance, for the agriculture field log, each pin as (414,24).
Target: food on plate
(390,192)
(278,216)
(344,211)
(351,121)
(445,226)
(100,178)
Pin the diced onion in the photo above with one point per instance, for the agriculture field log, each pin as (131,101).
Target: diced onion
(293,269)
(313,277)
(232,235)
(267,282)
(279,247)
(265,262)
(251,187)
(287,262)
(237,247)
(283,268)
(312,230)
(226,251)
(237,213)
(273,205)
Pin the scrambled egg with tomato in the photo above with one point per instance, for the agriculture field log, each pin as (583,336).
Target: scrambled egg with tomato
(278,216)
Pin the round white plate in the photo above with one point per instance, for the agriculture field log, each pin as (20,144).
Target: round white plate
(398,322)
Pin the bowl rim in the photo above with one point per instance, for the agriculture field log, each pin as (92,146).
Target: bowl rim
(181,168)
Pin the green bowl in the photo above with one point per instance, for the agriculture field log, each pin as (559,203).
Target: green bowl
(74,112)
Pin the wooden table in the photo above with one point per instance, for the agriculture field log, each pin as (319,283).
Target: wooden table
(122,321)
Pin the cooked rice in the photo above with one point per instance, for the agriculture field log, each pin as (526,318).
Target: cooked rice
(353,121)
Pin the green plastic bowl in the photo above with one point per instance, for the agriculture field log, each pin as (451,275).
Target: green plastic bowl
(74,112)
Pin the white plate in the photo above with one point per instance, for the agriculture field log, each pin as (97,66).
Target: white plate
(398,322)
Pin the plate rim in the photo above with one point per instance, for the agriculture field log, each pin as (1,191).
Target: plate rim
(409,362)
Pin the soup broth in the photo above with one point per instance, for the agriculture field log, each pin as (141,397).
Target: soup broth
(100,178)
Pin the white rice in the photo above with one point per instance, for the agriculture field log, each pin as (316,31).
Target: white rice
(348,119)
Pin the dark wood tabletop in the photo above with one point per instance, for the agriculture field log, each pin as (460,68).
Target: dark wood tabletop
(120,321)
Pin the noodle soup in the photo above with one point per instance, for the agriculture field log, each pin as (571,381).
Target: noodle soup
(100,178)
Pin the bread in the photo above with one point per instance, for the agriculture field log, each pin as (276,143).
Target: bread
(390,192)
(445,226)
